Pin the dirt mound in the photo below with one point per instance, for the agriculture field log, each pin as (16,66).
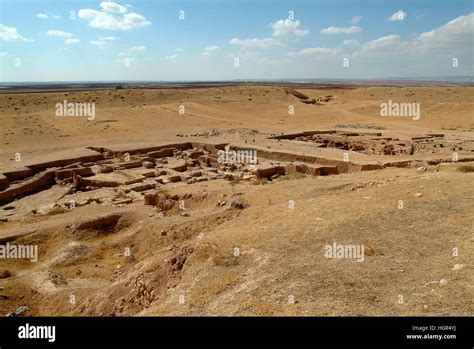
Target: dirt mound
(105,222)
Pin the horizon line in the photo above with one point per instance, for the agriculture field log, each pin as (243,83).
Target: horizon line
(463,78)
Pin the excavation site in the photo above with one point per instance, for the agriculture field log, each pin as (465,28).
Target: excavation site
(241,199)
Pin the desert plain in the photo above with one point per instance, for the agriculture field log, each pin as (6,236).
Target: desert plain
(132,213)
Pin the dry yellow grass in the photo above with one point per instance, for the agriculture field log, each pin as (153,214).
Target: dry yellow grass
(280,251)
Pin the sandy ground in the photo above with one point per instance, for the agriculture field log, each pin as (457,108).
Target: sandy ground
(29,125)
(265,259)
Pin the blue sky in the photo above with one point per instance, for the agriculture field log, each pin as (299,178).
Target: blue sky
(147,40)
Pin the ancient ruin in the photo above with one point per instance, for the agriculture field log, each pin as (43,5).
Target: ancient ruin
(131,175)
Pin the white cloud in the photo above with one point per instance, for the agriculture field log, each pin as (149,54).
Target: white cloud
(356,19)
(107,38)
(113,7)
(137,49)
(58,34)
(378,47)
(209,49)
(350,42)
(288,28)
(105,20)
(452,37)
(72,41)
(179,50)
(173,58)
(98,43)
(47,16)
(397,16)
(126,61)
(316,51)
(340,30)
(11,34)
(3,54)
(103,41)
(257,43)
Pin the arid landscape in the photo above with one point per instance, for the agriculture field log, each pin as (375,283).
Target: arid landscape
(149,208)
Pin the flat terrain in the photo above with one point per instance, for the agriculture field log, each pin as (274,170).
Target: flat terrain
(230,244)
(29,125)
